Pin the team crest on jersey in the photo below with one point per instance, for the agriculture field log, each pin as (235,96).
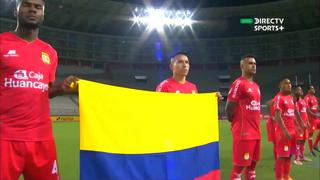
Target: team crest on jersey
(246,156)
(286,148)
(45,58)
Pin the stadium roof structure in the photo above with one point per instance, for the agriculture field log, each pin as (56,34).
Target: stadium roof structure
(199,3)
(218,18)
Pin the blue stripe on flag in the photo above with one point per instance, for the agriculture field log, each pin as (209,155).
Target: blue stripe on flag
(178,165)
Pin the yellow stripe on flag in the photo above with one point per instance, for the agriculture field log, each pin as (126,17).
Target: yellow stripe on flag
(128,121)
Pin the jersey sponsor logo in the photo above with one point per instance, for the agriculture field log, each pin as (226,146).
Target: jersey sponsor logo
(286,148)
(20,74)
(25,79)
(314,107)
(11,53)
(303,110)
(45,58)
(290,112)
(253,106)
(23,74)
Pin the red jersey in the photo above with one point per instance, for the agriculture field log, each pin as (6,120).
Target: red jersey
(312,103)
(246,120)
(301,107)
(285,104)
(171,85)
(26,69)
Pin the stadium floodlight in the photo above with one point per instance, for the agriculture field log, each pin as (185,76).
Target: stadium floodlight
(159,18)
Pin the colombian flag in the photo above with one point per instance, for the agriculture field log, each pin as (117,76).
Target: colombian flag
(128,134)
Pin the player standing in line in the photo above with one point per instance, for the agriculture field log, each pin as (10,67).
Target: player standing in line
(285,130)
(312,110)
(178,83)
(302,133)
(179,65)
(243,111)
(27,73)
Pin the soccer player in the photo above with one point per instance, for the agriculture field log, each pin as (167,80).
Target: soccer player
(285,130)
(302,132)
(312,109)
(243,111)
(178,83)
(27,73)
(179,65)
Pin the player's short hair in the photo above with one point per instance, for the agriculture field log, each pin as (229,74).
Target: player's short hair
(310,86)
(247,56)
(286,78)
(295,87)
(281,80)
(19,1)
(176,54)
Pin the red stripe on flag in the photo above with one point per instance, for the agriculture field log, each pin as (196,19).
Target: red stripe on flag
(212,175)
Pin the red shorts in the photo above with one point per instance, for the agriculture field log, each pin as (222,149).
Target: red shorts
(301,136)
(285,147)
(245,151)
(315,125)
(270,130)
(36,160)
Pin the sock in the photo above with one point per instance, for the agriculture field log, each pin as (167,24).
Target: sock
(279,168)
(236,172)
(274,152)
(317,140)
(250,172)
(302,150)
(310,141)
(297,151)
(286,168)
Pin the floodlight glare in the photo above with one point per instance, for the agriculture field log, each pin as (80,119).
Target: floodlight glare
(159,18)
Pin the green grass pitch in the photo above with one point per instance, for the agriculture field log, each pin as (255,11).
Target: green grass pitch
(67,141)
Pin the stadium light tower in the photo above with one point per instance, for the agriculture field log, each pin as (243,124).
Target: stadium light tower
(159,18)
